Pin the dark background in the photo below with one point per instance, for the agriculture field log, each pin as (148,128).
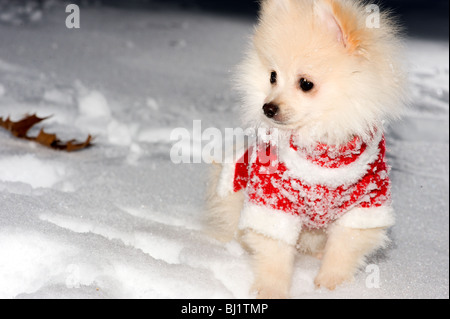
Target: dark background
(419,18)
(424,18)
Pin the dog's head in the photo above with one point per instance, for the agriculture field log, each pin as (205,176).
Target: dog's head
(326,69)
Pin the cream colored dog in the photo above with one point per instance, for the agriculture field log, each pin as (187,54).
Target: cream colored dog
(326,75)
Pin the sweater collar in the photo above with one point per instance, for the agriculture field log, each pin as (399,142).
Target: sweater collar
(331,156)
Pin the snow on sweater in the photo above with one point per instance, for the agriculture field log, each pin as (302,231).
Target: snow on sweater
(291,188)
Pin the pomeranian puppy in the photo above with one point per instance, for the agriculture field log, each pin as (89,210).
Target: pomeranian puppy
(321,78)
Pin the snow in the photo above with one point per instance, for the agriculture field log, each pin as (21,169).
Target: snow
(29,170)
(120,220)
(94,105)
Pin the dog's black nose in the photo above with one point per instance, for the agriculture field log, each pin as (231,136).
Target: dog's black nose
(270,110)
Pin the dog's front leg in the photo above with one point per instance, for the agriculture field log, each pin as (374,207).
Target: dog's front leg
(273,263)
(222,213)
(345,252)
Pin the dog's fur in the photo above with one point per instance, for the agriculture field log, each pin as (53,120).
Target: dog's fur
(358,87)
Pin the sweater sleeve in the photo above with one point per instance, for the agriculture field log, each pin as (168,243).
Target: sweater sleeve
(235,173)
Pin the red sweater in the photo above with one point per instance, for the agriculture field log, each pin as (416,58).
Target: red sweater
(319,186)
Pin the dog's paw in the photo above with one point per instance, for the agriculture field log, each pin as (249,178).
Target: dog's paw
(330,280)
(265,290)
(270,293)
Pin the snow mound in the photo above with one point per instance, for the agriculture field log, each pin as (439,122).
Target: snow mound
(19,12)
(29,260)
(94,105)
(30,170)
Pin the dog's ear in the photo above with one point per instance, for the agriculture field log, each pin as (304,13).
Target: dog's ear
(342,21)
(272,6)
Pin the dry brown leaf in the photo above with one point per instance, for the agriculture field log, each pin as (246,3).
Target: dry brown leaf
(20,129)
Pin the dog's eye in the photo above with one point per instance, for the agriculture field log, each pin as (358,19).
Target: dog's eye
(273,77)
(306,85)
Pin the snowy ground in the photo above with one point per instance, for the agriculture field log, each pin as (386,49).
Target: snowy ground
(120,220)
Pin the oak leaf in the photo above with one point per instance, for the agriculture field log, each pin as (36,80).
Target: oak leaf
(20,129)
